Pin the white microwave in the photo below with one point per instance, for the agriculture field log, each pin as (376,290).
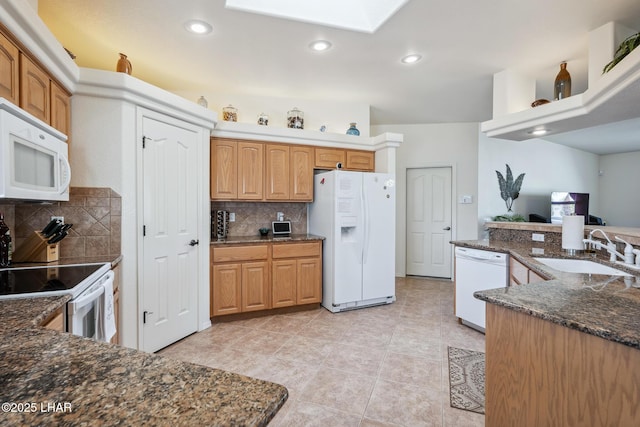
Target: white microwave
(33,156)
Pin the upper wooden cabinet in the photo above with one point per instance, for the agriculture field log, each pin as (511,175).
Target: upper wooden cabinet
(355,160)
(9,69)
(236,169)
(360,160)
(35,89)
(29,86)
(289,172)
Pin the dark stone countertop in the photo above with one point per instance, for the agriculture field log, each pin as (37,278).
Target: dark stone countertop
(601,305)
(69,380)
(266,239)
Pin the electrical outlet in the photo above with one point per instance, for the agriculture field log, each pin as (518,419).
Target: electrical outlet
(537,237)
(60,218)
(232,217)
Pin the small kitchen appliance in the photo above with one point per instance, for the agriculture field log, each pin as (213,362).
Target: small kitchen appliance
(281,228)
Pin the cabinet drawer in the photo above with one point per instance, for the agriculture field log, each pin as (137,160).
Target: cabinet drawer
(296,250)
(240,253)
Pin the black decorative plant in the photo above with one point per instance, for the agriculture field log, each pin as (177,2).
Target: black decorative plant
(623,50)
(509,189)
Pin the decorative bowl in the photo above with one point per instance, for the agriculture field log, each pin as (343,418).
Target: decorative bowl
(264,231)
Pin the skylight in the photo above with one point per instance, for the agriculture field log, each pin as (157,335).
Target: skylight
(357,15)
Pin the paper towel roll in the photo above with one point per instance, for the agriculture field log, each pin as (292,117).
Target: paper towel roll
(572,232)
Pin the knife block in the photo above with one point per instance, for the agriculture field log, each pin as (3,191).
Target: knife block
(36,249)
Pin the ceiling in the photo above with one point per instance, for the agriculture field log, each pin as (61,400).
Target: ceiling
(462,42)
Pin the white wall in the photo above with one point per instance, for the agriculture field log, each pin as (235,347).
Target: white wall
(619,194)
(436,145)
(336,116)
(547,166)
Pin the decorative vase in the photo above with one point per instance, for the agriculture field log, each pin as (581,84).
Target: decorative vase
(124,65)
(230,113)
(562,86)
(295,119)
(353,130)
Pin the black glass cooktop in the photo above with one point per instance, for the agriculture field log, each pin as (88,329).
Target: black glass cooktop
(54,280)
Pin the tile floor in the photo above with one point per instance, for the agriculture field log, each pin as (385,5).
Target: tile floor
(379,366)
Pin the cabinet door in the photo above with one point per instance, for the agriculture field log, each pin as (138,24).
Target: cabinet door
(60,109)
(255,286)
(224,169)
(309,281)
(301,177)
(34,89)
(277,179)
(55,321)
(283,283)
(226,289)
(518,273)
(327,158)
(360,160)
(250,170)
(9,69)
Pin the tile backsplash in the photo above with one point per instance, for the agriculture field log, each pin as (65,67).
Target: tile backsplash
(94,212)
(250,216)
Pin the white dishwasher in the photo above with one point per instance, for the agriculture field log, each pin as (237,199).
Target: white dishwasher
(477,270)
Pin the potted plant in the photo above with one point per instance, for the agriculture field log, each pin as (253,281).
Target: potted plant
(623,50)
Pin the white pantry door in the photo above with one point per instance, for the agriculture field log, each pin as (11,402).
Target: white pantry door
(429,222)
(170,242)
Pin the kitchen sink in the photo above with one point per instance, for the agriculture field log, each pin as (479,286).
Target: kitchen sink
(580,266)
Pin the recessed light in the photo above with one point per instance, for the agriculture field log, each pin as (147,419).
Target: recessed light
(411,59)
(320,45)
(198,27)
(538,132)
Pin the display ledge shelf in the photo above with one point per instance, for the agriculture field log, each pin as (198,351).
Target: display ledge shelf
(305,137)
(613,98)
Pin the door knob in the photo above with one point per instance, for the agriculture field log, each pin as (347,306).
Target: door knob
(447,228)
(194,242)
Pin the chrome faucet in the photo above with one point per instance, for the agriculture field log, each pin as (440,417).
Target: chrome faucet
(610,247)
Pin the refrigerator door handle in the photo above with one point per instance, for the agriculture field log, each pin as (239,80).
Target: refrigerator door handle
(365,215)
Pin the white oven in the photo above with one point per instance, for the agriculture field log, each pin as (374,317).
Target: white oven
(83,311)
(34,161)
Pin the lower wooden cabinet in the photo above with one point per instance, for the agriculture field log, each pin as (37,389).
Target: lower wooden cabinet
(55,321)
(520,274)
(260,277)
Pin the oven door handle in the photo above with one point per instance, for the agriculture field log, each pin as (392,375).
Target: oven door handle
(94,293)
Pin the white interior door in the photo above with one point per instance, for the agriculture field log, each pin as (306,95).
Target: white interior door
(170,242)
(429,222)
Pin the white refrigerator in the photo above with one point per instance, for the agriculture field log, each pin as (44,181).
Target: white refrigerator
(356,213)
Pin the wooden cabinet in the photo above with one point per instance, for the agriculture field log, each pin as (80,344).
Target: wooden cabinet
(357,160)
(301,173)
(9,70)
(360,160)
(35,89)
(289,172)
(328,158)
(520,274)
(56,321)
(277,176)
(60,109)
(236,169)
(260,277)
(296,273)
(239,279)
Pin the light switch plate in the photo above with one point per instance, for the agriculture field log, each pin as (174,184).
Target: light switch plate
(232,217)
(465,199)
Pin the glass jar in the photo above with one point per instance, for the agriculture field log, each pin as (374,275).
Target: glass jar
(263,119)
(295,119)
(353,130)
(202,101)
(230,113)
